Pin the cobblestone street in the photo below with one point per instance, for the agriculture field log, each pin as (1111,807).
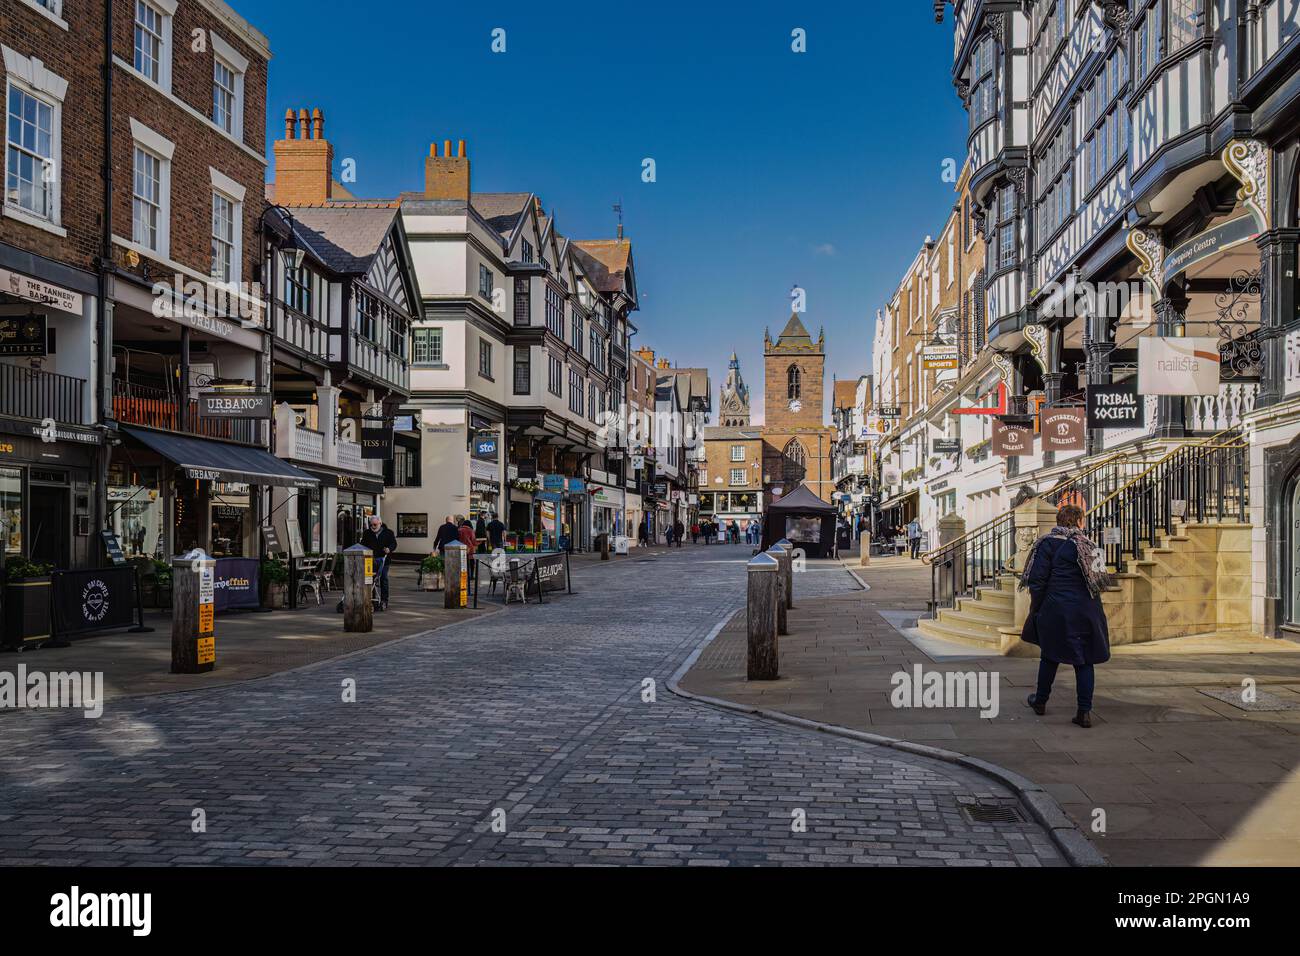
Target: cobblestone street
(532,717)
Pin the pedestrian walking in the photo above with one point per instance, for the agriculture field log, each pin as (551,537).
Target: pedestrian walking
(447,533)
(695,532)
(481,535)
(496,531)
(914,537)
(379,538)
(642,532)
(1065,574)
(679,531)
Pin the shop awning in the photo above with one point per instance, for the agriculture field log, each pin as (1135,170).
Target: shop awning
(208,460)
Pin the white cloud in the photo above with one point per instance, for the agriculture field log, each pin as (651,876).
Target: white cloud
(825,249)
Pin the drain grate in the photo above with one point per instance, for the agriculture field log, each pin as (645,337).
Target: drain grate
(992,813)
(1264,701)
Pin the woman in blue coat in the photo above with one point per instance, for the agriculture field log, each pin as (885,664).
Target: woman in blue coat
(1065,574)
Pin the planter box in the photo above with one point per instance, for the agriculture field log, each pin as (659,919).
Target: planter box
(27,613)
(275,596)
(433,581)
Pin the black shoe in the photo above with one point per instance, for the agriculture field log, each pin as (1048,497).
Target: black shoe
(1038,708)
(1083,718)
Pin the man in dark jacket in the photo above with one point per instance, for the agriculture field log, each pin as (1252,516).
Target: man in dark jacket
(679,529)
(496,531)
(379,538)
(447,533)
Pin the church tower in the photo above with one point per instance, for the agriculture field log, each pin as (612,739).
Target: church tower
(794,367)
(734,405)
(797,447)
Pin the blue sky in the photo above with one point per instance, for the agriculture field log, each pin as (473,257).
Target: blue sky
(773,168)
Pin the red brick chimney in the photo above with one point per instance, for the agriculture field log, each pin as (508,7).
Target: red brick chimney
(447,176)
(304,161)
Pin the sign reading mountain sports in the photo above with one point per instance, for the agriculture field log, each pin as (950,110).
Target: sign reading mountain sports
(235,405)
(1062,429)
(1012,440)
(940,357)
(1115,406)
(1171,365)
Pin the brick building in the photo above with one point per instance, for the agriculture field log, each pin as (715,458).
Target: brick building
(51,300)
(797,444)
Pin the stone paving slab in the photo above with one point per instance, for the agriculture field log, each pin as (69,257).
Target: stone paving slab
(538,735)
(1159,752)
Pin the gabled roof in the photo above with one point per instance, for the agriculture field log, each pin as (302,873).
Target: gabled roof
(605,261)
(502,211)
(344,236)
(846,393)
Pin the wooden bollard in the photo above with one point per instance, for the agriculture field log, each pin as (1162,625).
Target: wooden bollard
(455,560)
(761,603)
(604,547)
(788,570)
(358,579)
(781,556)
(194,642)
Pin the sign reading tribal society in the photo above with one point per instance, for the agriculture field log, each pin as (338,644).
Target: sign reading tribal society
(1115,406)
(1170,365)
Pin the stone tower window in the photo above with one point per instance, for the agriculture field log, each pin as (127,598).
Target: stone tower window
(792,382)
(794,463)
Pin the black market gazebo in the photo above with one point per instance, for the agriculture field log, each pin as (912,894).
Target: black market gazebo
(804,518)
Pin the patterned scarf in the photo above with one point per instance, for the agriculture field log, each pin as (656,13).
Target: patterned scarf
(1091,561)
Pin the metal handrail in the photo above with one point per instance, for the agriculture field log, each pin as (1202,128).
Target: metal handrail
(929,556)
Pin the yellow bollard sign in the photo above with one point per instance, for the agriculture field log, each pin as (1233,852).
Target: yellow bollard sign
(464,588)
(370,570)
(207,641)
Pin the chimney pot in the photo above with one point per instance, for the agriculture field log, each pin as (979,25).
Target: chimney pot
(446,148)
(460,149)
(304,131)
(288,124)
(318,124)
(446,174)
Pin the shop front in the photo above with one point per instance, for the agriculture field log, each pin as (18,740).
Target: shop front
(46,497)
(577,524)
(606,511)
(485,498)
(170,494)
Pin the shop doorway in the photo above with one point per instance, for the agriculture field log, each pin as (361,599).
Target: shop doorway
(51,536)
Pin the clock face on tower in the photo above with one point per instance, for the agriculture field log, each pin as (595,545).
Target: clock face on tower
(796,406)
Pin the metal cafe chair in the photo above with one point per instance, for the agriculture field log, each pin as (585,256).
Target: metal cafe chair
(310,573)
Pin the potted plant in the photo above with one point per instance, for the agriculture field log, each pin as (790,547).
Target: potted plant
(27,603)
(162,578)
(274,577)
(431,572)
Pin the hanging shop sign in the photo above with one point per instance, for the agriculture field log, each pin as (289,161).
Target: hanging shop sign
(526,469)
(1012,440)
(377,442)
(1115,406)
(235,405)
(945,446)
(23,335)
(479,486)
(889,411)
(34,290)
(553,483)
(113,547)
(575,486)
(1171,365)
(1063,429)
(638,462)
(1209,243)
(485,448)
(940,357)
